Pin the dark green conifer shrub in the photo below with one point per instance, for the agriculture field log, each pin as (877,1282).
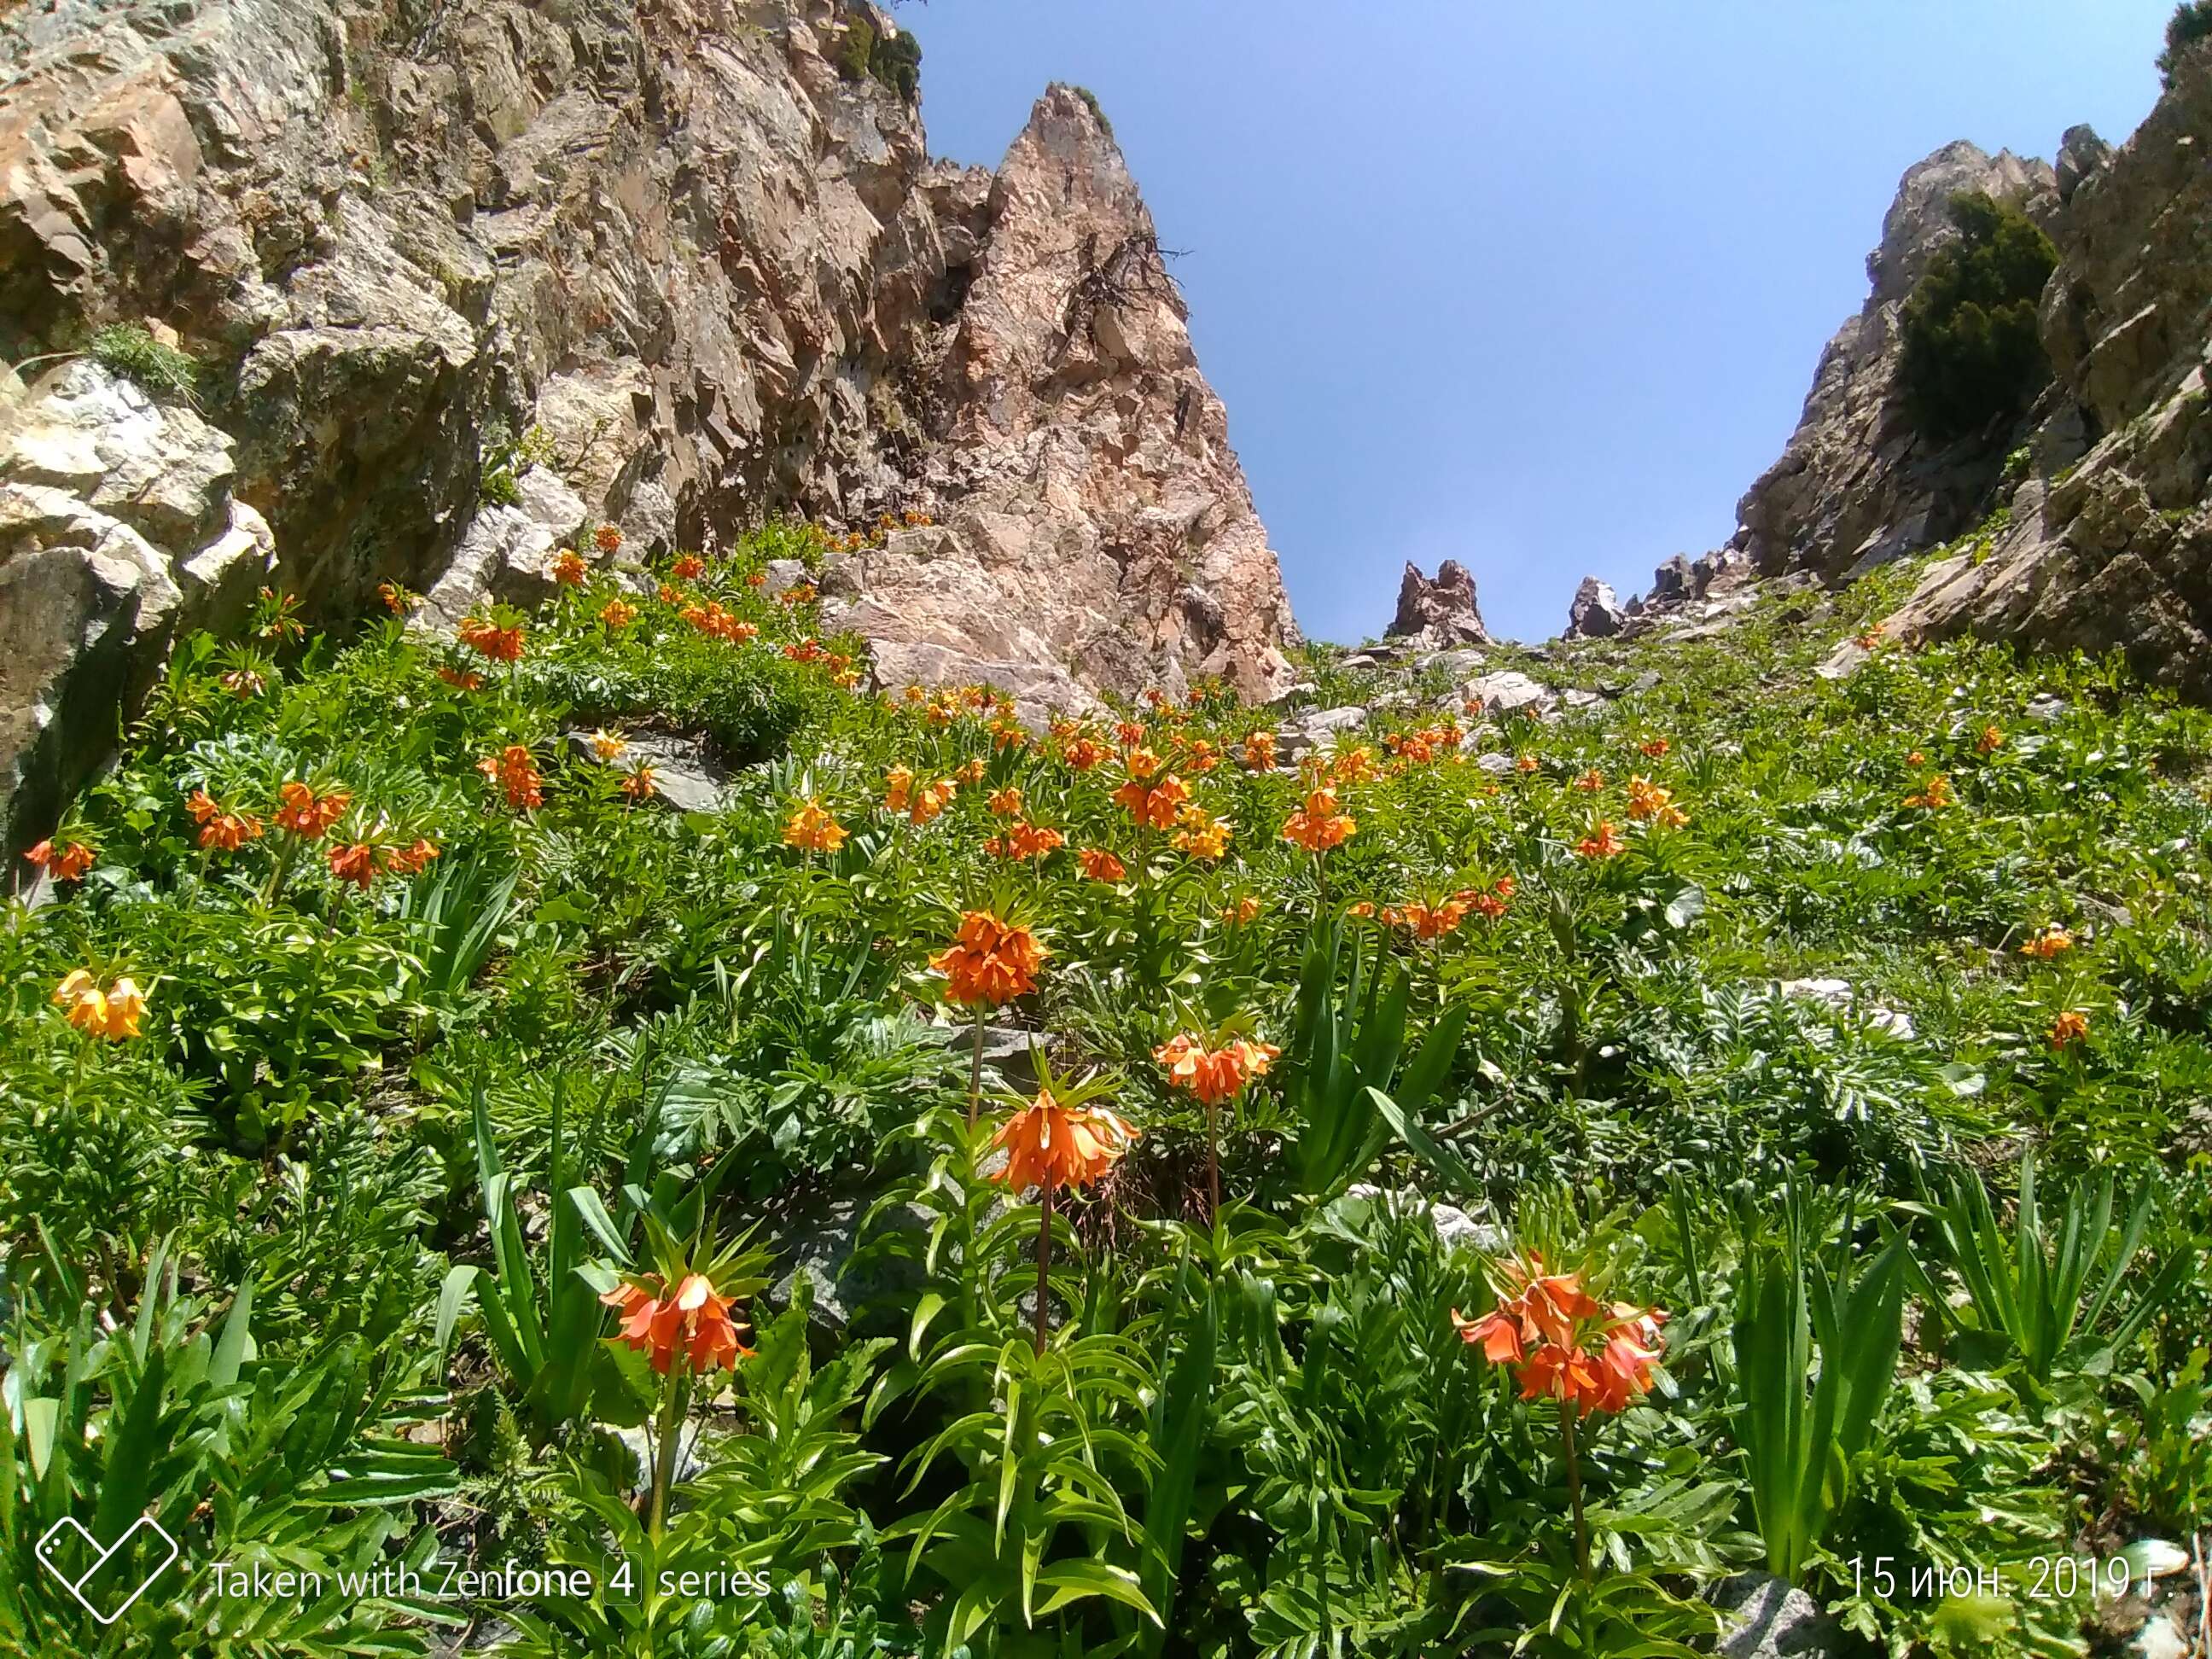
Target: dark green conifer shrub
(2191,21)
(1972,351)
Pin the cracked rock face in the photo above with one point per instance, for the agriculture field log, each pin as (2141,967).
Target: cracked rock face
(2114,552)
(1857,484)
(707,277)
(1439,614)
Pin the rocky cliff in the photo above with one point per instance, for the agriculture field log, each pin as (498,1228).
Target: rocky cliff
(457,279)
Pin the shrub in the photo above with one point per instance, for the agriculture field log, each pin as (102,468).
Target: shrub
(894,60)
(1098,114)
(128,350)
(2191,21)
(1972,352)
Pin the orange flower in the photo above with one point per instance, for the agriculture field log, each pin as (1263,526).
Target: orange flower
(607,538)
(1318,825)
(410,860)
(1647,800)
(898,789)
(1601,843)
(1915,758)
(1936,793)
(460,679)
(1526,765)
(617,615)
(111,1014)
(756,579)
(517,776)
(812,830)
(1034,840)
(1203,835)
(568,567)
(2069,1029)
(242,682)
(397,600)
(67,863)
(1434,921)
(1157,807)
(797,594)
(1355,764)
(1871,638)
(1654,748)
(1083,753)
(607,745)
(639,784)
(1006,803)
(1051,1146)
(1260,751)
(2053,940)
(1245,910)
(973,771)
(491,640)
(1593,780)
(989,961)
(355,862)
(1141,763)
(307,815)
(1214,1075)
(672,594)
(1990,742)
(931,799)
(1544,1326)
(1129,734)
(1097,865)
(693,1322)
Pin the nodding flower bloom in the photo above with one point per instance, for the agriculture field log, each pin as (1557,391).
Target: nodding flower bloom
(756,579)
(1082,753)
(1024,841)
(2069,1029)
(607,745)
(1050,1146)
(1129,734)
(1489,905)
(797,594)
(1648,803)
(489,639)
(1990,742)
(397,600)
(569,569)
(1156,807)
(1006,803)
(1214,1075)
(607,538)
(111,1014)
(1871,638)
(931,799)
(460,679)
(2053,940)
(989,961)
(1098,864)
(688,567)
(410,860)
(812,830)
(1202,835)
(691,1319)
(1602,841)
(1318,825)
(1245,910)
(1434,921)
(639,784)
(242,682)
(617,615)
(1562,1343)
(67,862)
(1590,781)
(971,771)
(1354,765)
(1654,748)
(1141,763)
(1007,732)
(354,861)
(517,776)
(307,815)
(1527,765)
(228,830)
(898,789)
(1260,751)
(1936,792)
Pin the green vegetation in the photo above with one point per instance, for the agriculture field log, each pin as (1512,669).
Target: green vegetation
(1097,114)
(504,458)
(2191,21)
(1972,350)
(407,1114)
(894,60)
(161,370)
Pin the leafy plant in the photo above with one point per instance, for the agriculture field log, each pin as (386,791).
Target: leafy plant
(1972,348)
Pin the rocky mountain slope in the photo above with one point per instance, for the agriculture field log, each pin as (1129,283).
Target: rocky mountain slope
(462,281)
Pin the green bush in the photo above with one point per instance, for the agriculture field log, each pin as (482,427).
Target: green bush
(894,60)
(161,369)
(1972,351)
(2190,23)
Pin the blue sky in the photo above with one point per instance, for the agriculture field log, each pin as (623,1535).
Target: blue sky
(1542,286)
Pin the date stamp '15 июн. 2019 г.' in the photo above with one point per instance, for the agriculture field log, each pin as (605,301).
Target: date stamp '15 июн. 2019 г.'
(2040,1578)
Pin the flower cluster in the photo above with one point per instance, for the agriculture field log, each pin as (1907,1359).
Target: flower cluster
(67,862)
(491,639)
(691,1319)
(1050,1145)
(989,961)
(112,1013)
(812,828)
(1214,1075)
(517,776)
(1562,1343)
(1319,825)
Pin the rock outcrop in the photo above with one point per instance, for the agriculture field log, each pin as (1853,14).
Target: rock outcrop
(1438,614)
(1595,612)
(451,270)
(1858,484)
(2114,550)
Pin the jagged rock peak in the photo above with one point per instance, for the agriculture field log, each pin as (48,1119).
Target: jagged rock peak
(1442,612)
(1595,612)
(1857,484)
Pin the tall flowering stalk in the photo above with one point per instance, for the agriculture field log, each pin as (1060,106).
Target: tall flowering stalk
(990,961)
(1215,1075)
(1563,1344)
(1058,1141)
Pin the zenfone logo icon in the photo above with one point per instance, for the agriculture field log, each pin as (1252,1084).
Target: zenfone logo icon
(82,1568)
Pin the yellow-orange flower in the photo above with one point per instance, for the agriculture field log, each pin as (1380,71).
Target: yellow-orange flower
(1648,801)
(517,776)
(931,799)
(355,862)
(2051,941)
(500,644)
(617,615)
(608,745)
(1434,921)
(1936,792)
(692,1320)
(111,1014)
(1259,750)
(461,680)
(1654,748)
(397,600)
(410,860)
(1202,835)
(1593,780)
(1098,864)
(1050,1146)
(812,830)
(607,538)
(1318,825)
(1141,762)
(1526,765)
(639,784)
(1083,753)
(1006,803)
(1603,841)
(1156,807)
(568,567)
(1246,909)
(1990,742)
(2069,1029)
(1214,1075)
(989,961)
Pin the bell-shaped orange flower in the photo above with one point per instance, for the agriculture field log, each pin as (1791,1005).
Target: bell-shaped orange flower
(307,815)
(355,862)
(1098,864)
(1051,1146)
(989,962)
(1603,841)
(1214,1075)
(692,1321)
(113,1014)
(67,862)
(1319,826)
(812,830)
